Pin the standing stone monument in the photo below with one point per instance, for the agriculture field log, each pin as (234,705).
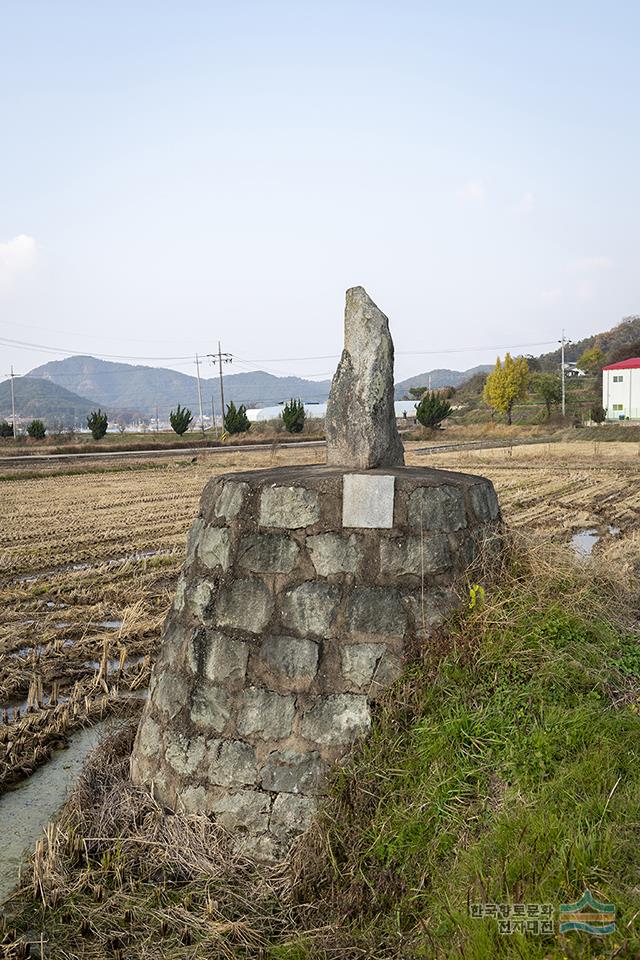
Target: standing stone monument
(361,423)
(302,592)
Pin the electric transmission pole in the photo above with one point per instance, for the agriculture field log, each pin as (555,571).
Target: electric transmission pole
(562,371)
(199,393)
(221,358)
(13,403)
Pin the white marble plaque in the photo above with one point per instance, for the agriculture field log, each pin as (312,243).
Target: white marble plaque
(367,500)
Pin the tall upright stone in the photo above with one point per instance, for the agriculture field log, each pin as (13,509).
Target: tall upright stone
(360,424)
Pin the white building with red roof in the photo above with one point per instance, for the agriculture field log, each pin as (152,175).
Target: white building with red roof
(621,389)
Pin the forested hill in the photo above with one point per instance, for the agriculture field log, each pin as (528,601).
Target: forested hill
(439,378)
(42,399)
(619,338)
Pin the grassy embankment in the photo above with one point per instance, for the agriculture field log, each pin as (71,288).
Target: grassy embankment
(556,429)
(503,768)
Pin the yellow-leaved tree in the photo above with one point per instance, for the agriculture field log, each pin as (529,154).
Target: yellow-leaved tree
(592,360)
(506,384)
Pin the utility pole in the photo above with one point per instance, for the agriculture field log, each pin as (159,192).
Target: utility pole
(13,404)
(221,358)
(199,394)
(213,418)
(562,371)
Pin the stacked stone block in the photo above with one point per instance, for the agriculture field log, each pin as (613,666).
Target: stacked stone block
(287,624)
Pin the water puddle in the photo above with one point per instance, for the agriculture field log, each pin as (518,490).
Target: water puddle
(583,541)
(37,650)
(113,665)
(76,567)
(11,708)
(26,810)
(15,709)
(18,707)
(41,649)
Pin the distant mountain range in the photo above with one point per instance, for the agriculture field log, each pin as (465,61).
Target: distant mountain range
(137,391)
(70,388)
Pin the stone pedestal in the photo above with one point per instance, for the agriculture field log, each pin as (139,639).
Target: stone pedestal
(302,592)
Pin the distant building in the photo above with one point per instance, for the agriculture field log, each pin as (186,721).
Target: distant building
(403,408)
(621,389)
(573,370)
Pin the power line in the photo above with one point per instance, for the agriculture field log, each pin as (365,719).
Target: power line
(413,353)
(250,367)
(23,345)
(108,373)
(503,346)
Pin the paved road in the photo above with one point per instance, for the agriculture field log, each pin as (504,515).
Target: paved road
(184,451)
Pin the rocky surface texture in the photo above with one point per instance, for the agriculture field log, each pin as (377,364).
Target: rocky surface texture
(360,422)
(302,594)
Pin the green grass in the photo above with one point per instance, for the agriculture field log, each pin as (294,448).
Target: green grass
(506,771)
(503,768)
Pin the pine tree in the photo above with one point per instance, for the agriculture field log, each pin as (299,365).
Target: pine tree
(293,416)
(432,409)
(97,423)
(6,429)
(506,384)
(236,420)
(37,430)
(180,418)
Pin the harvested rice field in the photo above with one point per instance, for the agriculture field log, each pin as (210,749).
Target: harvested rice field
(88,562)
(555,488)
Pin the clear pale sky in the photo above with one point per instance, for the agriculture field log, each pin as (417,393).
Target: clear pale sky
(175,173)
